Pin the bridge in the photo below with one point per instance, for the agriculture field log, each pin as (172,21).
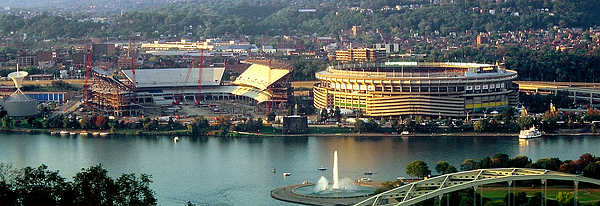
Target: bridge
(419,191)
(576,90)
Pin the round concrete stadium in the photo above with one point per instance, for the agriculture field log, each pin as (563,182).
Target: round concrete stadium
(406,89)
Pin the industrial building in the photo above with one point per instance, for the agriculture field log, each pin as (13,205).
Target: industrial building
(407,89)
(18,104)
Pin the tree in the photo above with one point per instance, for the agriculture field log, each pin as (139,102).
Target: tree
(480,126)
(271,116)
(592,170)
(468,164)
(418,168)
(94,186)
(450,169)
(359,125)
(324,114)
(525,122)
(39,186)
(198,126)
(101,122)
(337,114)
(441,167)
(565,198)
(135,191)
(519,161)
(7,123)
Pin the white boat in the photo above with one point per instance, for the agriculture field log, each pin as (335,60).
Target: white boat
(175,139)
(95,133)
(285,174)
(103,133)
(322,168)
(530,133)
(368,173)
(83,133)
(64,132)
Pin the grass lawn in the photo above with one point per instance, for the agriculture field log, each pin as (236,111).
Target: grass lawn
(328,130)
(498,193)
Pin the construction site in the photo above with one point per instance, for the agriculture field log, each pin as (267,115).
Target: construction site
(197,90)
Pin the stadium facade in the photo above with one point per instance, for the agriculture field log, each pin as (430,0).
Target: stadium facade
(407,89)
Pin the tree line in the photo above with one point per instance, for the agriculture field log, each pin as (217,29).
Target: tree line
(222,18)
(90,186)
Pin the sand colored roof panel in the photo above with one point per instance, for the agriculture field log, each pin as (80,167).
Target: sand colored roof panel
(258,76)
(175,77)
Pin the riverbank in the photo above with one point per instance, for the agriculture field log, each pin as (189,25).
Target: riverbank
(252,135)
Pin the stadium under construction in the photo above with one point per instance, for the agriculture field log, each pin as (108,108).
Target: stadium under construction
(263,83)
(407,89)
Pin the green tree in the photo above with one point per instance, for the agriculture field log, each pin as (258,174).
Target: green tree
(7,123)
(39,186)
(525,122)
(565,198)
(198,126)
(271,116)
(359,125)
(418,168)
(468,164)
(135,191)
(94,186)
(337,114)
(441,167)
(480,126)
(592,170)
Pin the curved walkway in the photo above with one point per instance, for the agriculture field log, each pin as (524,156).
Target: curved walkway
(287,194)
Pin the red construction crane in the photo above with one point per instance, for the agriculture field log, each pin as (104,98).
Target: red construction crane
(133,57)
(87,77)
(268,85)
(182,90)
(199,95)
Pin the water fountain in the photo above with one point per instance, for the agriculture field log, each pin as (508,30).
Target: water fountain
(339,188)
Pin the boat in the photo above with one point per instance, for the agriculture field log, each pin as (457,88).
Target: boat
(285,174)
(273,170)
(530,133)
(365,179)
(64,132)
(83,133)
(73,133)
(175,139)
(95,133)
(322,168)
(368,173)
(103,133)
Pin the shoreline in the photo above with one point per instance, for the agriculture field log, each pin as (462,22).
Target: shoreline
(251,135)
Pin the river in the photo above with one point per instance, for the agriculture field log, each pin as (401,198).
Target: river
(223,171)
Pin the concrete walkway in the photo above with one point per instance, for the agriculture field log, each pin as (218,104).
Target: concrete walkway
(287,194)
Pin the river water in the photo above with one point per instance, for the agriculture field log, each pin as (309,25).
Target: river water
(223,171)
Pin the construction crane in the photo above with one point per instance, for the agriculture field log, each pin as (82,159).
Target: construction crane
(199,95)
(87,77)
(181,92)
(133,65)
(268,85)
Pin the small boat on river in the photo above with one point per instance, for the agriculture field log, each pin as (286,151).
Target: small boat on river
(285,174)
(322,168)
(530,133)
